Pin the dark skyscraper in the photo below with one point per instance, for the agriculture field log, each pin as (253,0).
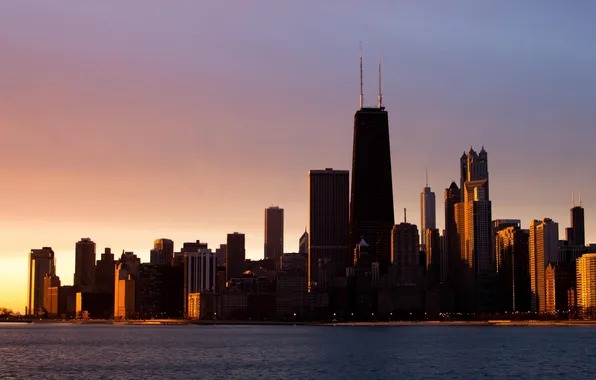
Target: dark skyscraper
(84,263)
(576,234)
(166,246)
(235,255)
(274,234)
(452,197)
(371,207)
(303,243)
(328,220)
(104,272)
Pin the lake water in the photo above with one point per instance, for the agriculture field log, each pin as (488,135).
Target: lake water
(64,351)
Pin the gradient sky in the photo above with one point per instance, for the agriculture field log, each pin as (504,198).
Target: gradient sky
(126,121)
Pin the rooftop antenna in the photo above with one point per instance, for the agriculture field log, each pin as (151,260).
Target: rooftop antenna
(361,89)
(405,218)
(580,200)
(380,97)
(426,176)
(572,199)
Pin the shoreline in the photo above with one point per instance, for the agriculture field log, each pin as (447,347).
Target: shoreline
(182,322)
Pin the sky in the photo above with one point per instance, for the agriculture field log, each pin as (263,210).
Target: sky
(130,120)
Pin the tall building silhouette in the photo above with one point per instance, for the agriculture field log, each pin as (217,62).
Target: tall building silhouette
(371,206)
(221,253)
(512,251)
(166,247)
(235,255)
(576,234)
(477,269)
(328,222)
(433,256)
(104,272)
(41,262)
(544,248)
(303,243)
(586,285)
(452,197)
(428,212)
(84,263)
(274,234)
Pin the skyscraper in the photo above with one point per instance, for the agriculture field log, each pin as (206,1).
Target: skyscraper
(221,253)
(576,234)
(405,253)
(200,269)
(427,212)
(303,242)
(166,247)
(474,167)
(371,206)
(477,265)
(84,263)
(41,262)
(328,222)
(586,285)
(452,197)
(433,256)
(274,234)
(235,255)
(544,248)
(104,272)
(512,251)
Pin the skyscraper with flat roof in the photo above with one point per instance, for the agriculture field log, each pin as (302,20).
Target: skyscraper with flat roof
(235,255)
(586,285)
(328,222)
(166,247)
(41,262)
(274,234)
(84,263)
(371,205)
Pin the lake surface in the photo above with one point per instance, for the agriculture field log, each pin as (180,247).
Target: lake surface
(64,351)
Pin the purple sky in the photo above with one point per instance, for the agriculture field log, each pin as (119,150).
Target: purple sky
(126,121)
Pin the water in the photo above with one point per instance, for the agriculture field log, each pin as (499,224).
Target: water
(65,351)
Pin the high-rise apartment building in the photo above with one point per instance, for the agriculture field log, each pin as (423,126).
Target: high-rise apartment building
(235,255)
(427,212)
(476,269)
(274,234)
(586,285)
(200,273)
(452,197)
(51,286)
(166,247)
(512,252)
(371,205)
(41,262)
(328,222)
(84,263)
(544,248)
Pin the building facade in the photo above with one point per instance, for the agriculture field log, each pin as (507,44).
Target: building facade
(328,222)
(41,262)
(274,234)
(586,286)
(428,213)
(200,273)
(84,263)
(544,248)
(235,255)
(166,249)
(513,271)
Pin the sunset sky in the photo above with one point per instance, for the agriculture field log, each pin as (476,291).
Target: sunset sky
(126,121)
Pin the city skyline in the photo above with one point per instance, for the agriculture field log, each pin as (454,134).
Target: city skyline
(36,216)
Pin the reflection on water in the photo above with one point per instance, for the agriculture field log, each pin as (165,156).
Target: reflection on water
(302,352)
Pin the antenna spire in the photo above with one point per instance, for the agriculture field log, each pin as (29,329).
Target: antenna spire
(426,176)
(361,89)
(572,199)
(405,218)
(380,97)
(580,200)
